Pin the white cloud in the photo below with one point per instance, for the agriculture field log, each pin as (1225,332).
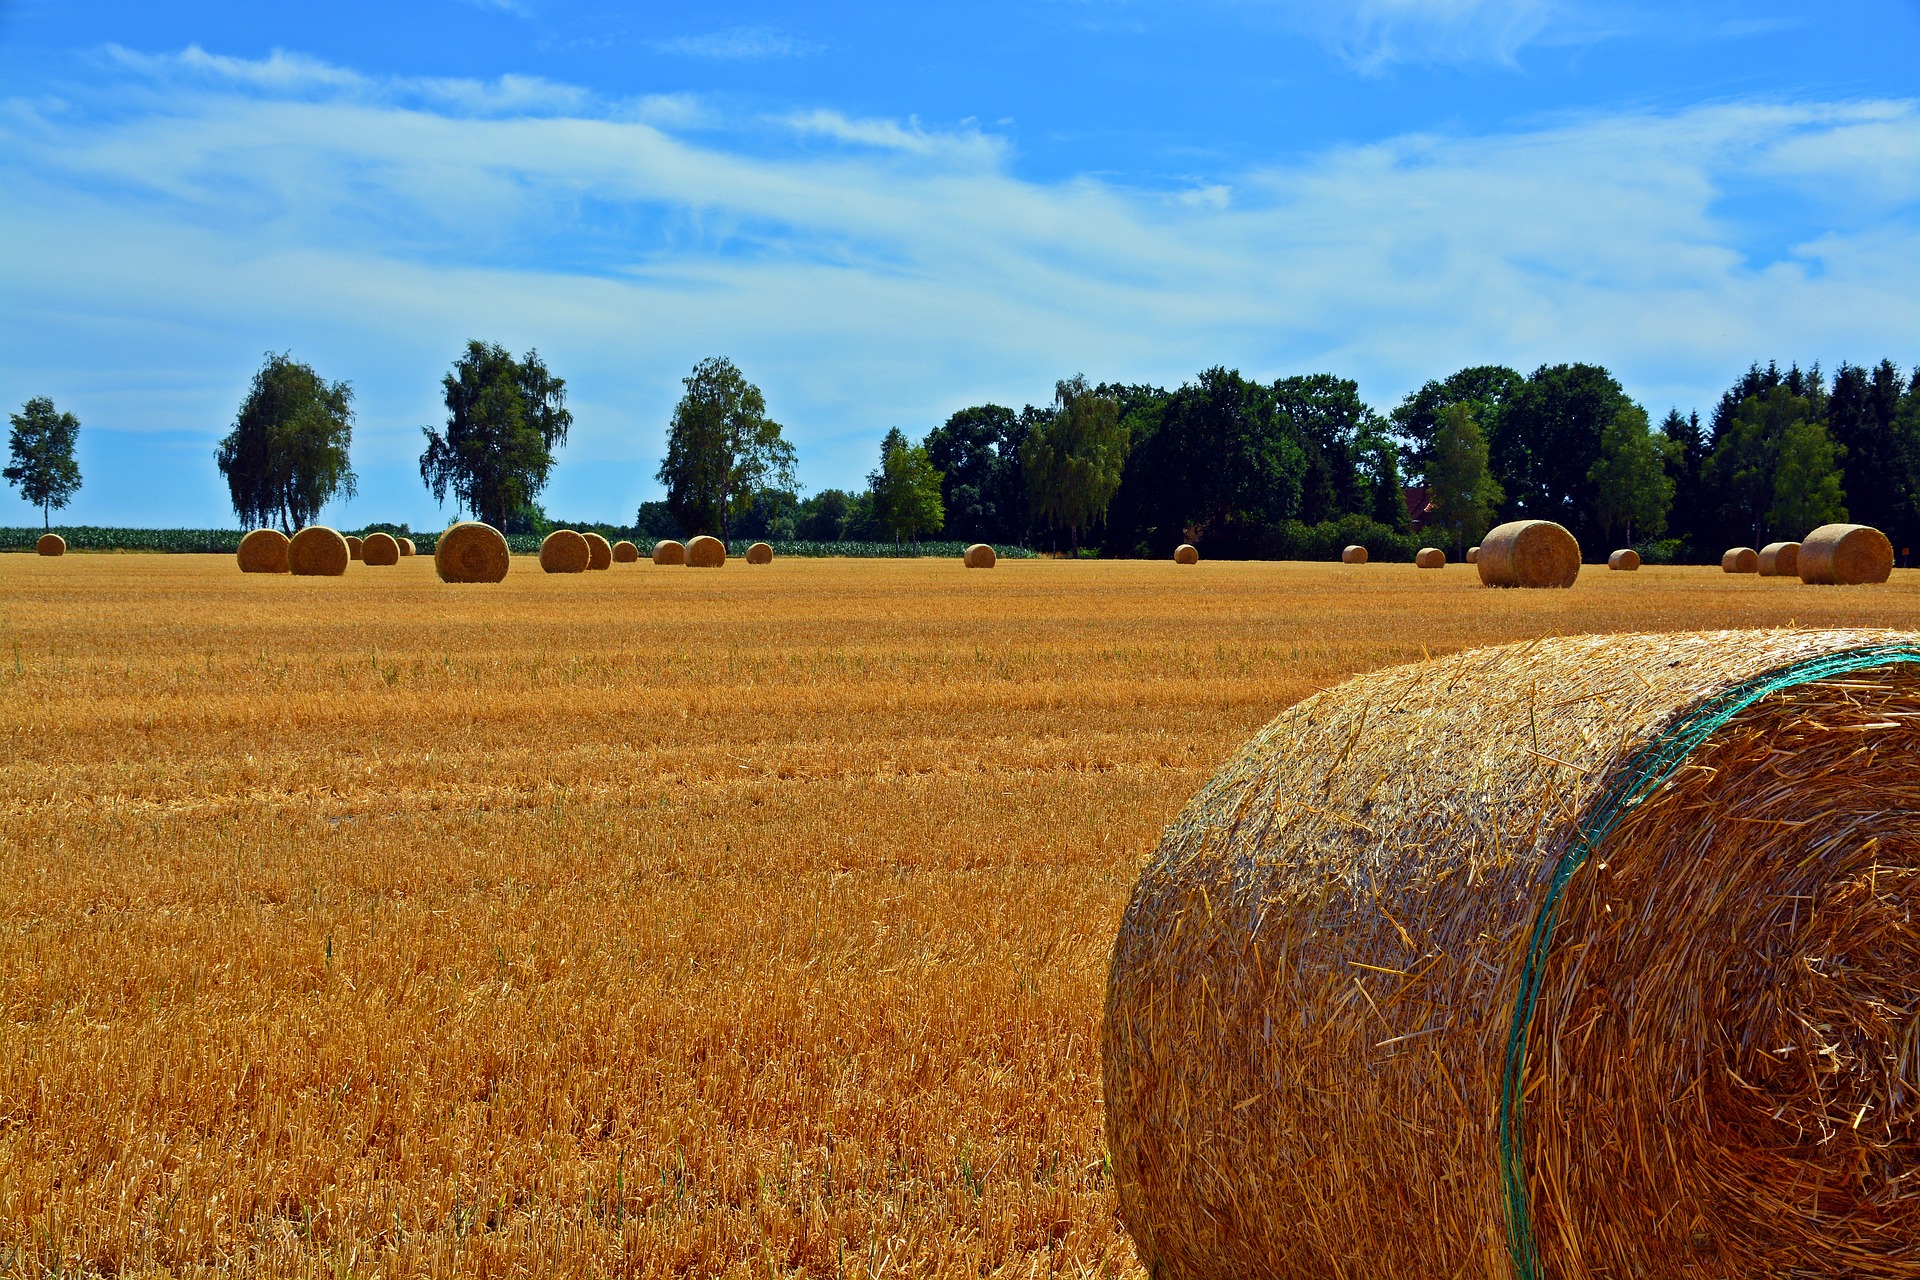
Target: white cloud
(739,44)
(871,272)
(1371,34)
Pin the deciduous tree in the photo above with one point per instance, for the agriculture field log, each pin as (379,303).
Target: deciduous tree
(505,419)
(40,446)
(288,453)
(721,448)
(906,489)
(1074,458)
(1630,482)
(1460,483)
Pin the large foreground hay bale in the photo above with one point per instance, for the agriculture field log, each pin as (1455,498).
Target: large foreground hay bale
(1430,558)
(1529,553)
(1587,956)
(704,552)
(1845,555)
(51,544)
(407,548)
(317,552)
(1780,560)
(760,553)
(667,551)
(1740,560)
(263,551)
(380,549)
(978,556)
(1625,560)
(1473,555)
(625,552)
(471,552)
(1186,553)
(1355,554)
(599,551)
(565,551)
(355,547)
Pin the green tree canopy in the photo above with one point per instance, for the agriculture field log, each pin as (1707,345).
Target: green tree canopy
(1460,484)
(1074,458)
(1486,388)
(505,418)
(1743,475)
(287,455)
(721,448)
(906,489)
(1547,438)
(1631,487)
(40,445)
(977,452)
(1806,481)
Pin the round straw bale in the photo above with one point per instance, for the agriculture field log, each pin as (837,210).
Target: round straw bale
(1355,554)
(1845,555)
(978,556)
(1529,553)
(1780,560)
(1430,558)
(1473,555)
(1186,553)
(263,551)
(625,552)
(380,549)
(51,544)
(1587,956)
(564,551)
(407,547)
(706,552)
(599,551)
(667,551)
(355,547)
(1626,560)
(317,552)
(1740,560)
(471,552)
(760,553)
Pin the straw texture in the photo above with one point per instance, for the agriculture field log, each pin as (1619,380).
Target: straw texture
(263,551)
(1316,991)
(760,553)
(1430,558)
(1529,553)
(51,544)
(599,551)
(1473,555)
(1845,555)
(1354,555)
(1780,560)
(1186,553)
(667,551)
(318,552)
(407,547)
(471,552)
(379,549)
(978,556)
(625,552)
(1740,560)
(355,547)
(564,551)
(706,552)
(1625,560)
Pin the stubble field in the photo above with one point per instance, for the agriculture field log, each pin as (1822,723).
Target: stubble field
(655,922)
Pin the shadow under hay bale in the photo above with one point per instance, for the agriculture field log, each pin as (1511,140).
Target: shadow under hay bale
(471,552)
(625,552)
(599,551)
(1186,553)
(380,549)
(1353,555)
(1529,553)
(978,556)
(705,552)
(564,551)
(1740,560)
(263,551)
(760,553)
(1625,560)
(1845,555)
(1587,956)
(1780,560)
(667,551)
(51,544)
(1430,558)
(317,552)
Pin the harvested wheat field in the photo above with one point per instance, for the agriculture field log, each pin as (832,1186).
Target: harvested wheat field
(723,924)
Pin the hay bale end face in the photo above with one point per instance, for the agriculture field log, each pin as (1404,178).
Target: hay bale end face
(379,549)
(51,544)
(1529,553)
(667,551)
(1473,555)
(1186,553)
(318,552)
(1430,558)
(407,548)
(599,551)
(1355,554)
(625,552)
(1846,555)
(706,552)
(1561,1024)
(1780,560)
(565,551)
(1625,560)
(1740,560)
(263,551)
(471,552)
(978,556)
(355,547)
(760,553)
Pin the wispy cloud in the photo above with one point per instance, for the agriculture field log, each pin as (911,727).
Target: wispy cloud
(741,44)
(1373,34)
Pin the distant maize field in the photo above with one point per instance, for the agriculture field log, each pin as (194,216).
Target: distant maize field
(653,922)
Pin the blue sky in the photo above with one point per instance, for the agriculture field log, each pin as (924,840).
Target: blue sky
(886,212)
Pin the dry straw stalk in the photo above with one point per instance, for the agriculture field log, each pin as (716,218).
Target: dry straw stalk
(1845,555)
(564,551)
(1577,957)
(668,551)
(380,549)
(471,552)
(318,552)
(1529,553)
(599,551)
(263,551)
(706,552)
(1186,553)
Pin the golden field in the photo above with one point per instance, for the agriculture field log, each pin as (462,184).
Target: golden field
(749,922)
